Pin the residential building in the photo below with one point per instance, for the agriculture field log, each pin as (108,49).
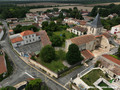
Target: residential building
(11,26)
(115,29)
(110,65)
(23,38)
(78,30)
(12,20)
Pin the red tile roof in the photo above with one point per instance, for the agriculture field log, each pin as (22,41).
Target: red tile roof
(87,54)
(82,39)
(10,30)
(112,59)
(107,35)
(2,65)
(27,32)
(44,38)
(17,39)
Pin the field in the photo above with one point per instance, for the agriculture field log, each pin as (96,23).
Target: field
(63,7)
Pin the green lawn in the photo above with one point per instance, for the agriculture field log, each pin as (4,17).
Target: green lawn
(102,84)
(68,35)
(55,65)
(115,57)
(93,76)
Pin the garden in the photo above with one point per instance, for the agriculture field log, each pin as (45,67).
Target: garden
(93,76)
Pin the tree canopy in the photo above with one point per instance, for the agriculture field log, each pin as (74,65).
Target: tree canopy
(8,88)
(47,54)
(34,85)
(20,28)
(73,55)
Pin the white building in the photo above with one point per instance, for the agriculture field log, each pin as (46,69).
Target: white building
(23,38)
(115,29)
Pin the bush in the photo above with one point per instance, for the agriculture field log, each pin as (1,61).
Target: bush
(97,63)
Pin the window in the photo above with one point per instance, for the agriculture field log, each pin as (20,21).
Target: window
(93,30)
(29,36)
(32,35)
(26,36)
(33,39)
(39,37)
(30,40)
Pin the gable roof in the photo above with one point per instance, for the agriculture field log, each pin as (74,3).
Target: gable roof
(107,35)
(82,39)
(17,39)
(2,65)
(27,32)
(112,59)
(44,38)
(78,28)
(87,54)
(97,22)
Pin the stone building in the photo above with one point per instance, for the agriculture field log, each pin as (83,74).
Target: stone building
(94,39)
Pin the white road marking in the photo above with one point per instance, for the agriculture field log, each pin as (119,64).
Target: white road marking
(29,75)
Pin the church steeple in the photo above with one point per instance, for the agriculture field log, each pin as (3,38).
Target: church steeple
(97,22)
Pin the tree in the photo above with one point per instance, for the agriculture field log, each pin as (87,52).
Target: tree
(56,40)
(94,11)
(8,88)
(34,85)
(73,55)
(44,25)
(47,54)
(18,29)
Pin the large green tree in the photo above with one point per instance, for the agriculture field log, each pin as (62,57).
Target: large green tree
(47,54)
(34,85)
(73,55)
(56,40)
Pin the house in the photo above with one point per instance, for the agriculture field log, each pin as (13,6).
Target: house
(3,65)
(31,16)
(110,65)
(11,26)
(78,30)
(12,20)
(83,42)
(24,38)
(115,29)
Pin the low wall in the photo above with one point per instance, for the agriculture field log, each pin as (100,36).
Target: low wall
(52,74)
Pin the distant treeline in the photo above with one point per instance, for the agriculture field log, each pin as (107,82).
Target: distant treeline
(57,1)
(104,11)
(14,11)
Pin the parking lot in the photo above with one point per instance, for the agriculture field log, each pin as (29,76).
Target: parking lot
(30,48)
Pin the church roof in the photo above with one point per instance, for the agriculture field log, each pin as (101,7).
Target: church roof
(96,22)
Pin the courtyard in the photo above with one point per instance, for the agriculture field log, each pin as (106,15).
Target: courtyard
(93,76)
(30,48)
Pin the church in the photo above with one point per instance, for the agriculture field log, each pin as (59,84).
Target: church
(95,38)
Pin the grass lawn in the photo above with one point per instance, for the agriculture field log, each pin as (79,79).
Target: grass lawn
(102,84)
(68,35)
(93,76)
(54,65)
(115,57)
